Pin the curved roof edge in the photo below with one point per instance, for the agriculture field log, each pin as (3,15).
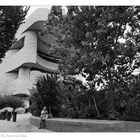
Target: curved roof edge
(40,14)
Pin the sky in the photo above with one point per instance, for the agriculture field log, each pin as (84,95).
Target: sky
(70,2)
(35,7)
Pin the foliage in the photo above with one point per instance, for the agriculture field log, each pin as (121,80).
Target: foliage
(45,93)
(10,101)
(102,44)
(87,39)
(35,103)
(122,104)
(74,100)
(10,19)
(132,104)
(78,102)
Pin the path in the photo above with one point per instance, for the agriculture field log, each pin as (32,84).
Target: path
(21,125)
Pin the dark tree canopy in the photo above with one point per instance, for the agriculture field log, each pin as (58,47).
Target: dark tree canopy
(10,101)
(88,42)
(102,44)
(10,19)
(45,93)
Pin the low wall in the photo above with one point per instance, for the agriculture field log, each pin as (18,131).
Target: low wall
(85,125)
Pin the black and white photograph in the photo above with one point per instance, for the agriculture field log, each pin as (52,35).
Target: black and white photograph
(69,68)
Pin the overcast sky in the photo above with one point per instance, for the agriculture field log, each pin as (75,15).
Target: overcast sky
(35,7)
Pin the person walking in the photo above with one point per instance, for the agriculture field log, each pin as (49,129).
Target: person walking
(43,117)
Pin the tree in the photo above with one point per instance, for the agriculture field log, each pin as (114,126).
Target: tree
(10,19)
(87,39)
(102,44)
(45,93)
(78,101)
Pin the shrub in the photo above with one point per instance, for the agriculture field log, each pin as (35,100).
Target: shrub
(65,100)
(46,94)
(10,101)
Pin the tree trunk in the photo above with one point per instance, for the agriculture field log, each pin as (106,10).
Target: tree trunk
(96,107)
(50,110)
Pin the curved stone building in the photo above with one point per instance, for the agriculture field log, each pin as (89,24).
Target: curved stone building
(30,52)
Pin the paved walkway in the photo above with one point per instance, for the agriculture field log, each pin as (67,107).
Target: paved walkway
(21,125)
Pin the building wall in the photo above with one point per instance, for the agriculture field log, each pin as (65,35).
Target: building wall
(5,79)
(15,68)
(10,53)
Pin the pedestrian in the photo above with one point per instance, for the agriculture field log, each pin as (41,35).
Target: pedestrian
(43,117)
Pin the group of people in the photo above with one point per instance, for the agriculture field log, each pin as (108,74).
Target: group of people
(6,115)
(44,115)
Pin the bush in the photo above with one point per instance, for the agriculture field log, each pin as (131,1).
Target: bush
(132,110)
(46,94)
(63,99)
(34,109)
(10,101)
